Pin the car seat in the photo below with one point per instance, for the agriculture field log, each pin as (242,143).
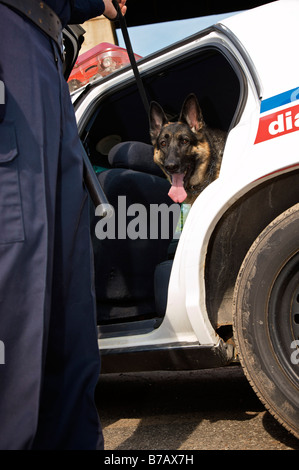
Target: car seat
(125,267)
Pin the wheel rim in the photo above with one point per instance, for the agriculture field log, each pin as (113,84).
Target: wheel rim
(283,318)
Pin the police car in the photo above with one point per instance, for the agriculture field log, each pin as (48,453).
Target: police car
(223,284)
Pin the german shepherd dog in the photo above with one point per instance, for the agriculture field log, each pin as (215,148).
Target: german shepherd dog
(188,151)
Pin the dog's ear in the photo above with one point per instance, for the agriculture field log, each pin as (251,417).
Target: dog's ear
(157,120)
(191,113)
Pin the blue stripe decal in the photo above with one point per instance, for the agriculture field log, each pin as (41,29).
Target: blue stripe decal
(279,100)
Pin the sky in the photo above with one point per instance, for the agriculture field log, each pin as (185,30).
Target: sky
(147,39)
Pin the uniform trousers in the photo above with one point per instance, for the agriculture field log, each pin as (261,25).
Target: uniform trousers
(47,304)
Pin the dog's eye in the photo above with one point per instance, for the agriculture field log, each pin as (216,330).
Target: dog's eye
(162,143)
(185,141)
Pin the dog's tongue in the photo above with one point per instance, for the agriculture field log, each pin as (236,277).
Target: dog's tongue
(177,192)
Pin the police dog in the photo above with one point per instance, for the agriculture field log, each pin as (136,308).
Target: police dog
(188,151)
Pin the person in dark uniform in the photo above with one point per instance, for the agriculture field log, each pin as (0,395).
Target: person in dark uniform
(47,308)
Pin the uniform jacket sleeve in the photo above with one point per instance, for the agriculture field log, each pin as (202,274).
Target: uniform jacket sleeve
(83,10)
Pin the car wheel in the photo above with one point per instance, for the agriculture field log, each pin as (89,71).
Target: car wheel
(266,318)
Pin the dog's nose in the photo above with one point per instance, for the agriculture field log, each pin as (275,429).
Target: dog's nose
(172,167)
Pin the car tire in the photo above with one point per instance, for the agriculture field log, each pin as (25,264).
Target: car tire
(266,318)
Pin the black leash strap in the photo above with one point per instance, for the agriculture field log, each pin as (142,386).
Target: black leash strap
(93,186)
(123,24)
(95,190)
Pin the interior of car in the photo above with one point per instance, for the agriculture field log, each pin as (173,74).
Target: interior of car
(132,275)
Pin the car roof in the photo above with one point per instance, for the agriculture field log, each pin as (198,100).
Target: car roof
(270,36)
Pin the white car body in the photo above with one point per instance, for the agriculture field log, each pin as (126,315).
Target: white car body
(186,319)
(261,147)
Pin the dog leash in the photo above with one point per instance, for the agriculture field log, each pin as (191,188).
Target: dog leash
(93,185)
(123,25)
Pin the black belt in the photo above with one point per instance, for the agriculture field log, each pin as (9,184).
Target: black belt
(42,16)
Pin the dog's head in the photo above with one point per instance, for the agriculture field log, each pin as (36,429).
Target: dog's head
(179,146)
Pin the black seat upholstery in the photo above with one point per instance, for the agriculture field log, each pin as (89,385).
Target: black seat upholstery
(125,267)
(135,156)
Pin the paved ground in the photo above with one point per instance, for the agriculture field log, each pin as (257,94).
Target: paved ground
(202,410)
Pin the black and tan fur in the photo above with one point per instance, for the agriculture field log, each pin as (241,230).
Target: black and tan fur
(187,146)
